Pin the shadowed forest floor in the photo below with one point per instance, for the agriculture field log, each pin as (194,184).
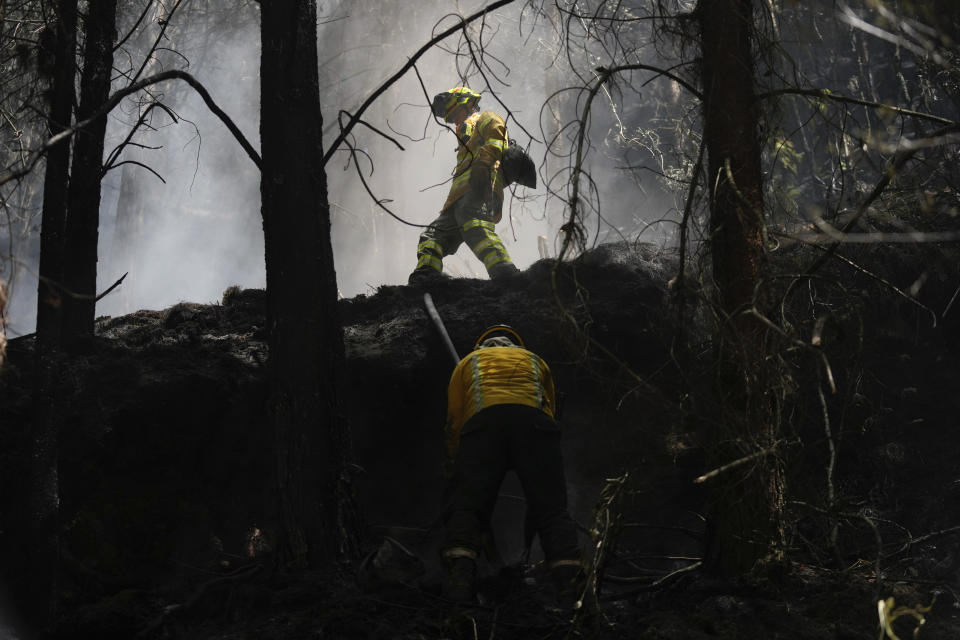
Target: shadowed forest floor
(166,487)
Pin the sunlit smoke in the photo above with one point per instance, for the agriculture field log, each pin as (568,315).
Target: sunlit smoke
(181,210)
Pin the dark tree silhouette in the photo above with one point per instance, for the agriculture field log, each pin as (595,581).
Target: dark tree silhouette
(83,211)
(305,335)
(57,174)
(746,506)
(38,528)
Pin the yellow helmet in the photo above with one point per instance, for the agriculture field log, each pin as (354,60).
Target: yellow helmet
(501,329)
(444,103)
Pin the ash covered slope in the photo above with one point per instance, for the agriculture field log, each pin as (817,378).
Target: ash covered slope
(164,440)
(165,471)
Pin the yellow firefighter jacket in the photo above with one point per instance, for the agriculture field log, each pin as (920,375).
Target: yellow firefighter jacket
(496,375)
(483,137)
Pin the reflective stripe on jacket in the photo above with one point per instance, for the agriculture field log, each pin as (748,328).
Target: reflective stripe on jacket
(483,137)
(496,375)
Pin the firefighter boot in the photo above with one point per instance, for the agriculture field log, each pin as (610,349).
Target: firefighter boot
(425,276)
(572,591)
(503,271)
(459,579)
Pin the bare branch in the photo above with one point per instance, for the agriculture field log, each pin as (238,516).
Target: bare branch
(136,26)
(112,287)
(115,99)
(823,94)
(895,164)
(369,126)
(108,164)
(379,202)
(153,49)
(355,118)
(139,164)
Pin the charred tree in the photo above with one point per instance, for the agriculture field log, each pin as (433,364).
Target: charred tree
(36,531)
(306,361)
(57,175)
(746,502)
(3,322)
(83,211)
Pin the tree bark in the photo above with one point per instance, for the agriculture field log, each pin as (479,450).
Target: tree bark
(3,322)
(305,366)
(57,177)
(37,527)
(83,213)
(746,503)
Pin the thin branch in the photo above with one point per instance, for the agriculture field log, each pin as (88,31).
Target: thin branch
(136,26)
(369,126)
(377,201)
(355,118)
(891,170)
(909,543)
(112,287)
(736,463)
(823,94)
(133,130)
(115,99)
(880,279)
(139,164)
(153,49)
(657,70)
(54,284)
(832,235)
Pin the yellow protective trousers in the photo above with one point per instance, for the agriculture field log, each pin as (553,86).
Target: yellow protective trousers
(470,220)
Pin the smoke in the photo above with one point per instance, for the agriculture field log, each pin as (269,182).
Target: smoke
(198,231)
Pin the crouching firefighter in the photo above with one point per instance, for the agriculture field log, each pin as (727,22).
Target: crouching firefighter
(500,416)
(475,201)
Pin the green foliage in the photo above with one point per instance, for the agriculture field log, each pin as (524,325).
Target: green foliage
(787,154)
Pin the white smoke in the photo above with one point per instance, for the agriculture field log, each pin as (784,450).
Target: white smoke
(191,237)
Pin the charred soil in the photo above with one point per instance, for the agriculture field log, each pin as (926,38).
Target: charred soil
(165,467)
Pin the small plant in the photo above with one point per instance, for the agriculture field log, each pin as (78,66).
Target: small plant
(889,612)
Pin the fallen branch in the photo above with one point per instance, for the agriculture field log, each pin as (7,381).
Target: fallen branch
(656,583)
(176,609)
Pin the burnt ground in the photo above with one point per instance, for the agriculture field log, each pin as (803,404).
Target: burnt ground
(165,466)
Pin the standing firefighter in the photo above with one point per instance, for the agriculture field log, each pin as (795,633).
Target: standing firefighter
(475,202)
(500,416)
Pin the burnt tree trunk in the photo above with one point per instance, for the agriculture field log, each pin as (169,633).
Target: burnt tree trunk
(306,361)
(36,530)
(3,322)
(57,176)
(83,212)
(746,502)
